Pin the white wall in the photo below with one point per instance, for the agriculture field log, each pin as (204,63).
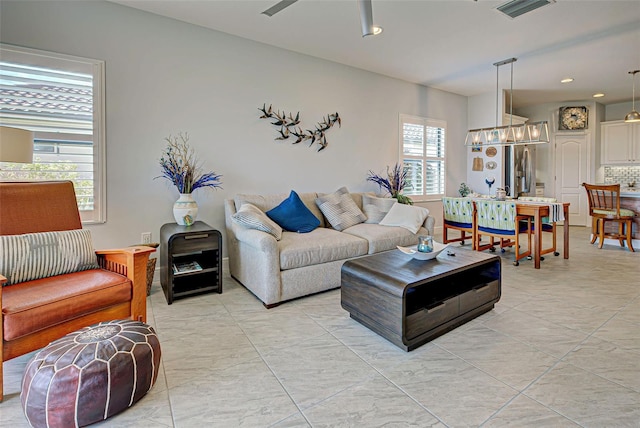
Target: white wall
(619,111)
(481,110)
(165,76)
(545,155)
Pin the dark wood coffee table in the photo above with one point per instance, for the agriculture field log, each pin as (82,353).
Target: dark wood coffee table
(410,302)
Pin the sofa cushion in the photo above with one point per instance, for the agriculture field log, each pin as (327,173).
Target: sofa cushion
(252,217)
(267,202)
(340,209)
(407,216)
(384,238)
(44,254)
(34,305)
(376,208)
(293,215)
(320,246)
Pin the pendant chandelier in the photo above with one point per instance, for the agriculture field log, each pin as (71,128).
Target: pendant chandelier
(508,135)
(634,116)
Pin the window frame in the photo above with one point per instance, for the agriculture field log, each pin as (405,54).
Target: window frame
(72,63)
(425,122)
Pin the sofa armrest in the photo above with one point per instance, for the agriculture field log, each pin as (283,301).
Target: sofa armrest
(132,263)
(429,224)
(257,239)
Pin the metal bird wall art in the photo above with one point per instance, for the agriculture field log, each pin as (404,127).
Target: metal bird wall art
(290,126)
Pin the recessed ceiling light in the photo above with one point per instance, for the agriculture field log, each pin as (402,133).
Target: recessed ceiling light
(567,80)
(377,30)
(598,95)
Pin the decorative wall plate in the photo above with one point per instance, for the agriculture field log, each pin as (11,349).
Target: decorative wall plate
(573,118)
(491,165)
(491,151)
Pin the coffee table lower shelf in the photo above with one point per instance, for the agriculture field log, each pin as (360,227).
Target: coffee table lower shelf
(410,302)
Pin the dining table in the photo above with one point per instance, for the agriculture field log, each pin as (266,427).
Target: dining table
(538,210)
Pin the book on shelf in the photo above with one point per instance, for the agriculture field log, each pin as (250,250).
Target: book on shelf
(186,267)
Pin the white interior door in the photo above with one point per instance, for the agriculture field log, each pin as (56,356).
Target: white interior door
(572,155)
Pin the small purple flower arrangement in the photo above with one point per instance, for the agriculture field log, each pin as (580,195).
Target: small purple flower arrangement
(181,167)
(394,183)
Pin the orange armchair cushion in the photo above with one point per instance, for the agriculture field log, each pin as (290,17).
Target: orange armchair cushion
(30,207)
(31,306)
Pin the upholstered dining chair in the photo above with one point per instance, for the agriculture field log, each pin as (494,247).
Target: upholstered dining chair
(499,219)
(457,215)
(547,225)
(604,206)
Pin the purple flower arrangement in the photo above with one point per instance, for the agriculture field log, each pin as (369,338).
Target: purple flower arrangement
(181,167)
(394,183)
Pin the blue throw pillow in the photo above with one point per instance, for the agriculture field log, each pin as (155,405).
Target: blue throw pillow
(293,215)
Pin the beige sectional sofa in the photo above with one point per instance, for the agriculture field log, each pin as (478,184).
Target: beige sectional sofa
(300,264)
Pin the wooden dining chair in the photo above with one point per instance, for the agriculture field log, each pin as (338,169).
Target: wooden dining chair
(457,214)
(604,206)
(499,219)
(547,225)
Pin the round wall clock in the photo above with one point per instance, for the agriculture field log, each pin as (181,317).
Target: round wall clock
(573,118)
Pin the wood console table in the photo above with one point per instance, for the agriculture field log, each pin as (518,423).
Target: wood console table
(410,302)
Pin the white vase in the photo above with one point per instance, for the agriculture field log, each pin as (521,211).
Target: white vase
(185,210)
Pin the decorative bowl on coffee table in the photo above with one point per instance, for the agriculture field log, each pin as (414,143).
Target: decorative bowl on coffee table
(413,252)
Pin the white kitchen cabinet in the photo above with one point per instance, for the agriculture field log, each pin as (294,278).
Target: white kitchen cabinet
(620,143)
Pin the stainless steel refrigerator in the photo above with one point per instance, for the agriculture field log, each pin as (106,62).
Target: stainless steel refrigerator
(520,170)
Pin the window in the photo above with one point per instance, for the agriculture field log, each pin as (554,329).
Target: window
(61,99)
(422,152)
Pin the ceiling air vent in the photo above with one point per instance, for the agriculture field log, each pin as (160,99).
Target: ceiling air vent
(516,8)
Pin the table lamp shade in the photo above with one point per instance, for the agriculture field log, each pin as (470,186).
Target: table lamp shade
(16,145)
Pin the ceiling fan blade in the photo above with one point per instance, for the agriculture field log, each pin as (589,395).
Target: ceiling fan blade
(278,7)
(366,17)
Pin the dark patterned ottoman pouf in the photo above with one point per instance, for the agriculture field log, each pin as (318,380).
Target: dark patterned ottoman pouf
(91,374)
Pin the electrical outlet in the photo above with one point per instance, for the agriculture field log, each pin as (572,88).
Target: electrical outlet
(146,238)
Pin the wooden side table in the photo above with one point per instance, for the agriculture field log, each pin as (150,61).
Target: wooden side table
(190,260)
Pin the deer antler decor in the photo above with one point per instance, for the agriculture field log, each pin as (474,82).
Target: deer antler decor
(289,126)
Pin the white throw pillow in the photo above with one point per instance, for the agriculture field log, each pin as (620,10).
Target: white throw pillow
(252,217)
(407,216)
(376,208)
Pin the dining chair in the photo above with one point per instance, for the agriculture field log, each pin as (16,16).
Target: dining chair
(604,206)
(547,225)
(457,215)
(499,219)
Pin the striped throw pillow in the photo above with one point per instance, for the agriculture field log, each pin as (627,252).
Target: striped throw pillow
(252,217)
(340,209)
(41,255)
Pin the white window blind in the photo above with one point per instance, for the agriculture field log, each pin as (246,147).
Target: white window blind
(423,154)
(59,98)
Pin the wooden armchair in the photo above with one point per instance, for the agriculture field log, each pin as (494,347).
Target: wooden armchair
(38,311)
(604,206)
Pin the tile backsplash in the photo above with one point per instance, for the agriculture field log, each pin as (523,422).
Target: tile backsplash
(622,175)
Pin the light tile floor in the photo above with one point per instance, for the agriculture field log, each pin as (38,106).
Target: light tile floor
(561,349)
